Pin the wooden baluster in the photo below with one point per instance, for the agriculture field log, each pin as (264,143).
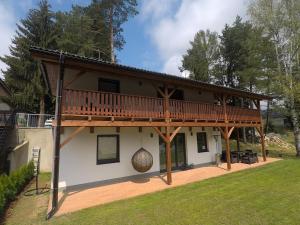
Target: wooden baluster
(68,101)
(105,104)
(118,105)
(73,102)
(97,105)
(125,105)
(64,109)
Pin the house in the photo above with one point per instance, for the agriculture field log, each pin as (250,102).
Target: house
(107,112)
(4,92)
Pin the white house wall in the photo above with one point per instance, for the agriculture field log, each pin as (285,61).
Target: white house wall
(78,158)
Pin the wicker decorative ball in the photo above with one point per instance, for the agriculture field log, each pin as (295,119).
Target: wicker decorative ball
(142,160)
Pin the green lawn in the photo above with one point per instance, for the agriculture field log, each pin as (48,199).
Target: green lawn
(265,195)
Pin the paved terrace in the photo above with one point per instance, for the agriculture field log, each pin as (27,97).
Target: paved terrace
(72,201)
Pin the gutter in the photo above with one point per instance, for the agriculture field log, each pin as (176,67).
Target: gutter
(57,129)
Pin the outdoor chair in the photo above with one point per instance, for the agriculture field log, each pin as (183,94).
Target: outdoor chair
(249,157)
(234,157)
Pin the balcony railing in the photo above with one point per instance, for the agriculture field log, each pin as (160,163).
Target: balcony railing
(78,102)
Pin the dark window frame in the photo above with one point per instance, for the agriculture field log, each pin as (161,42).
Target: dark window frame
(112,160)
(117,82)
(206,143)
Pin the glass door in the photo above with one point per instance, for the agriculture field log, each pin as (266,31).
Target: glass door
(178,155)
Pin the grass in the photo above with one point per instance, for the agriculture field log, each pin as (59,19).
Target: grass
(30,209)
(265,195)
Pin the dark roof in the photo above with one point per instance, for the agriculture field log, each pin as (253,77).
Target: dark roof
(2,84)
(55,54)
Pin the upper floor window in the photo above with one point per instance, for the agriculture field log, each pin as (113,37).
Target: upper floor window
(108,85)
(202,142)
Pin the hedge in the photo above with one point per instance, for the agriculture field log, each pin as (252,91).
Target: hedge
(12,185)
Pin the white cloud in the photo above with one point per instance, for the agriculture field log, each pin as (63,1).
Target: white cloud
(154,9)
(172,32)
(7,27)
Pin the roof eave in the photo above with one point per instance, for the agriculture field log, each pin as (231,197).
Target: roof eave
(53,57)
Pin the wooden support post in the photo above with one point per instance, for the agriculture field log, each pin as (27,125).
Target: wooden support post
(238,139)
(168,138)
(261,132)
(227,134)
(262,141)
(168,156)
(262,137)
(228,158)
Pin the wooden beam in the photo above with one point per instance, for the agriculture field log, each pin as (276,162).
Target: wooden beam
(259,131)
(222,131)
(72,135)
(79,74)
(159,90)
(92,130)
(174,133)
(138,123)
(230,131)
(172,92)
(256,103)
(160,134)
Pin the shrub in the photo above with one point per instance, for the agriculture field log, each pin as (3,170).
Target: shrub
(12,185)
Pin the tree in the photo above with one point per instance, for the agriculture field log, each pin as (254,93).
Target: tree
(91,39)
(23,74)
(201,59)
(280,20)
(117,13)
(98,28)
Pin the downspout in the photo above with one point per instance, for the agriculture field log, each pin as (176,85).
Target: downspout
(57,129)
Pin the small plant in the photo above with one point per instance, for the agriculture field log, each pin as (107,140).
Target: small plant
(12,185)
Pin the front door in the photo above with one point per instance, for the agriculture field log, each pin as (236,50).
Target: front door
(177,152)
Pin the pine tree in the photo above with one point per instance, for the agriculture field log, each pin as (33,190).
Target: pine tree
(23,74)
(201,59)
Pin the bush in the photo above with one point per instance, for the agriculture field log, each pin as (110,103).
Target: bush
(12,185)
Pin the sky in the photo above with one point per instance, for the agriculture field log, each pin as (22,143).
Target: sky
(156,38)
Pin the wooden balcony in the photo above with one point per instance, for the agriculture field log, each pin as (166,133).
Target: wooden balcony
(131,107)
